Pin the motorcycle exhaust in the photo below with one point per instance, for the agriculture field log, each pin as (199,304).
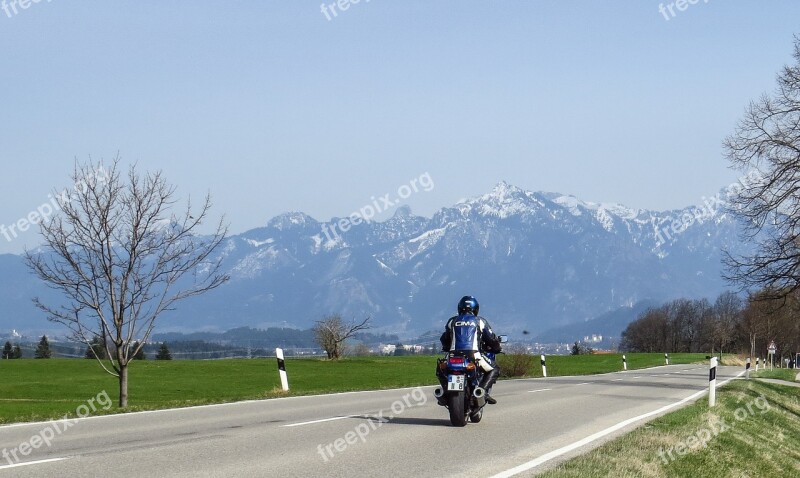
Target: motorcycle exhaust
(438,392)
(480,396)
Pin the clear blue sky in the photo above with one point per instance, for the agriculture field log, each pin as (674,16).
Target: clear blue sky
(273,107)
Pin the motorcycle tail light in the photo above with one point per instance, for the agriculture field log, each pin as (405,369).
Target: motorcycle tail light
(457,360)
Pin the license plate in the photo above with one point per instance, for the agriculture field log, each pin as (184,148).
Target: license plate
(455,382)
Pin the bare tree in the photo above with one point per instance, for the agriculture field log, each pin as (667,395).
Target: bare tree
(331,333)
(767,141)
(727,314)
(121,257)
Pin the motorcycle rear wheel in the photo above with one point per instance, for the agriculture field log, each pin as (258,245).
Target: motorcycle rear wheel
(455,403)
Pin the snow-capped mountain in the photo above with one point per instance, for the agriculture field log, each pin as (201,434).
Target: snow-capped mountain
(534,260)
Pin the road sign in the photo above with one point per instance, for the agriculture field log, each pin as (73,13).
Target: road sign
(772,348)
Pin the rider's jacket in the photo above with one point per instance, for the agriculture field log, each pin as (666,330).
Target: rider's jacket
(466,332)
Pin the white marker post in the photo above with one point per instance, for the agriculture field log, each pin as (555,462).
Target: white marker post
(757,358)
(666,359)
(747,368)
(712,382)
(544,367)
(624,363)
(282,369)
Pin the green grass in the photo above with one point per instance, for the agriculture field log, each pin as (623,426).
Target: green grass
(601,363)
(755,444)
(33,390)
(44,389)
(780,373)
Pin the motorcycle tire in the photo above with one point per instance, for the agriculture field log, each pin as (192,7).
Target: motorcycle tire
(455,403)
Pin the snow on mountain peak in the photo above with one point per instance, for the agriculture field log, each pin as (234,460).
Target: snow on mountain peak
(503,201)
(290,219)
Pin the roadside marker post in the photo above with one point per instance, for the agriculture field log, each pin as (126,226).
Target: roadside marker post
(712,382)
(282,369)
(747,368)
(624,363)
(666,359)
(544,366)
(757,358)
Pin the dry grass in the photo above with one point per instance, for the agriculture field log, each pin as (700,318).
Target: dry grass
(755,445)
(734,360)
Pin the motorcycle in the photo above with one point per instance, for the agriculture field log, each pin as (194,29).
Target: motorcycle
(464,397)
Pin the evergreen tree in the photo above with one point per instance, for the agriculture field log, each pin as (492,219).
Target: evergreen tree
(43,349)
(140,355)
(163,353)
(17,354)
(96,349)
(399,350)
(8,351)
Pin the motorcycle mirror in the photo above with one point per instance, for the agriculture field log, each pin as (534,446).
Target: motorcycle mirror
(503,339)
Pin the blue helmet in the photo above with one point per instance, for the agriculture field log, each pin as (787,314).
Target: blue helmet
(468,304)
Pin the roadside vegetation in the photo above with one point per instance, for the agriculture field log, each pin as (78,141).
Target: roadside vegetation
(754,430)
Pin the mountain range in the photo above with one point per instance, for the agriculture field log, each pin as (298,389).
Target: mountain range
(535,261)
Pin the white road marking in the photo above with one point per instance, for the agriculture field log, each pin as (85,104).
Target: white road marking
(319,421)
(617,380)
(540,390)
(584,383)
(568,448)
(28,463)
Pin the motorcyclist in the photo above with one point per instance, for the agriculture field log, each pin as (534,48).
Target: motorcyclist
(469,332)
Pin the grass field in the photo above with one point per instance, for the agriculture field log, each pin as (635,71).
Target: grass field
(753,431)
(33,390)
(601,363)
(780,373)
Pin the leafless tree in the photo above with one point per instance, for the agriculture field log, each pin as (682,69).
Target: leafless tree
(767,141)
(727,314)
(121,256)
(331,333)
(769,318)
(649,333)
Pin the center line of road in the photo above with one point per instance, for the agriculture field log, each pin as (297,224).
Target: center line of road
(37,462)
(540,390)
(617,380)
(584,383)
(319,421)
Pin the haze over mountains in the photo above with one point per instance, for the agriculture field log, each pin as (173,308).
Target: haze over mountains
(535,261)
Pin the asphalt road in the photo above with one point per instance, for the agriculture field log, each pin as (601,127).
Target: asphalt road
(395,432)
